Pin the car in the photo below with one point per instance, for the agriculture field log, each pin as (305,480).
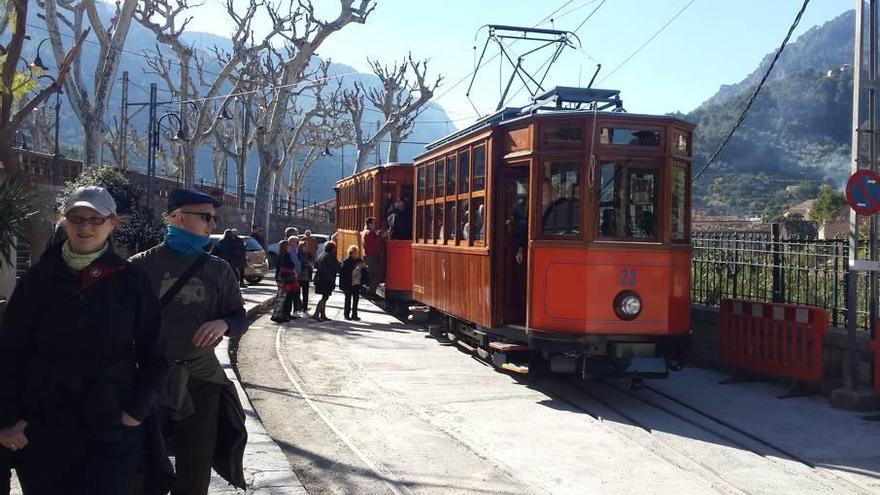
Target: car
(272,248)
(257,263)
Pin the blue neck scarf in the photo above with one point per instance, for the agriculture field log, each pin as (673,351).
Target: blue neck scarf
(185,242)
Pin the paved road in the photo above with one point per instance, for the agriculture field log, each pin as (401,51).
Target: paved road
(378,407)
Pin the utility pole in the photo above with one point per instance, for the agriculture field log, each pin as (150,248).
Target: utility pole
(851,396)
(152,144)
(378,143)
(123,137)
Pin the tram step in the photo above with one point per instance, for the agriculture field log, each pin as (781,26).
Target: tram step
(507,347)
(516,368)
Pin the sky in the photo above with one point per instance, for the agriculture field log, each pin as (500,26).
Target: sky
(711,42)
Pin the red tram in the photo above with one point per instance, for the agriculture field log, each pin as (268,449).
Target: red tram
(561,227)
(372,193)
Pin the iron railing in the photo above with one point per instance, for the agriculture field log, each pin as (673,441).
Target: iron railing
(763,266)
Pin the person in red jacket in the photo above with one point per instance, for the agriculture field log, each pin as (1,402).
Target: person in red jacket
(374,254)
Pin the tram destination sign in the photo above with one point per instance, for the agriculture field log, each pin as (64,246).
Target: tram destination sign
(863,192)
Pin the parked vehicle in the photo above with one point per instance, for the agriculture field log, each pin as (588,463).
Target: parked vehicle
(272,248)
(257,264)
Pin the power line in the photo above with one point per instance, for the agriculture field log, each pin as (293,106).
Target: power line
(754,96)
(646,43)
(588,17)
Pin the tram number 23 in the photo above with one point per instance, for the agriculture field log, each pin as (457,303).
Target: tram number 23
(627,277)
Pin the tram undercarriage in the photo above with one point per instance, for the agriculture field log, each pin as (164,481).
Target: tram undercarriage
(520,350)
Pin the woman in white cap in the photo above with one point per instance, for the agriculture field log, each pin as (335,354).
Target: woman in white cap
(80,360)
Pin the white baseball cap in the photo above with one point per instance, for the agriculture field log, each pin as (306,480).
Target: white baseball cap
(94,197)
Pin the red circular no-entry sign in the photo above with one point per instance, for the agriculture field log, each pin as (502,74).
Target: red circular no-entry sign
(863,192)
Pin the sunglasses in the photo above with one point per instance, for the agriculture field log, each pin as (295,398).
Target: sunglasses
(206,217)
(79,220)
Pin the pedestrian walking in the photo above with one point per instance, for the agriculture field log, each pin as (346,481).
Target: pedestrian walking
(325,279)
(81,360)
(287,279)
(374,254)
(231,249)
(307,262)
(350,281)
(257,234)
(201,303)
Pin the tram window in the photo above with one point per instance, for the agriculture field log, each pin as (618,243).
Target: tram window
(567,135)
(681,143)
(420,222)
(679,201)
(430,181)
(428,231)
(628,197)
(449,224)
(463,221)
(438,222)
(478,209)
(479,176)
(440,170)
(561,198)
(629,137)
(450,175)
(463,171)
(421,182)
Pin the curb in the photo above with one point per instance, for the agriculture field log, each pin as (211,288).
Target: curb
(266,468)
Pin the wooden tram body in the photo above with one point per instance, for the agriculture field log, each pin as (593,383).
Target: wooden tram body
(371,193)
(600,203)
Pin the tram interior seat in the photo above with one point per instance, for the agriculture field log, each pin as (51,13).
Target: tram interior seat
(562,216)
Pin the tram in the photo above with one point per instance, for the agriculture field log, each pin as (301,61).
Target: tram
(561,228)
(373,193)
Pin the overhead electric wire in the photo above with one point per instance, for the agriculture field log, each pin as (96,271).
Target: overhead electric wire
(754,96)
(649,40)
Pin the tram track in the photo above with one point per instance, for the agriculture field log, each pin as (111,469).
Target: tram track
(828,479)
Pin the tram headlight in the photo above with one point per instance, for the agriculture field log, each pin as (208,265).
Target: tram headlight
(627,305)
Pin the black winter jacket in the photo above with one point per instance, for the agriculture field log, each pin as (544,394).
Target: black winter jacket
(346,272)
(76,350)
(325,275)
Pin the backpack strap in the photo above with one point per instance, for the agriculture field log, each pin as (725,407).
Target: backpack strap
(183,279)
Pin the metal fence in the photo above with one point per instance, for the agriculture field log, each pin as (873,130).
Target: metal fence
(764,267)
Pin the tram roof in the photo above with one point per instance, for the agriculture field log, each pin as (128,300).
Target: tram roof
(561,100)
(375,167)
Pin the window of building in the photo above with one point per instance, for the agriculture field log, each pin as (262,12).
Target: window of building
(562,135)
(628,197)
(679,201)
(561,198)
(464,183)
(479,168)
(629,137)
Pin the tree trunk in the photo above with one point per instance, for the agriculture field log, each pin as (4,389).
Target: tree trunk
(393,146)
(93,141)
(240,165)
(188,154)
(265,186)
(361,158)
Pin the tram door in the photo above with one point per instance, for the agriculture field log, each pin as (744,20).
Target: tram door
(514,239)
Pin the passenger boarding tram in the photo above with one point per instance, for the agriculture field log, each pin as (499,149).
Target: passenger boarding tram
(372,193)
(561,229)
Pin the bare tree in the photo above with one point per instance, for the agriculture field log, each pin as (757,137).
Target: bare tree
(192,83)
(134,142)
(89,103)
(395,97)
(39,125)
(306,34)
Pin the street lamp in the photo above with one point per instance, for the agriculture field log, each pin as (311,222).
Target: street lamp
(38,61)
(56,152)
(241,143)
(154,133)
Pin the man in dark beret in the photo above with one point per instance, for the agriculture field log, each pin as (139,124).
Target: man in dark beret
(201,303)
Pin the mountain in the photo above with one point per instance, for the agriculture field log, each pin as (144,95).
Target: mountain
(431,125)
(796,136)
